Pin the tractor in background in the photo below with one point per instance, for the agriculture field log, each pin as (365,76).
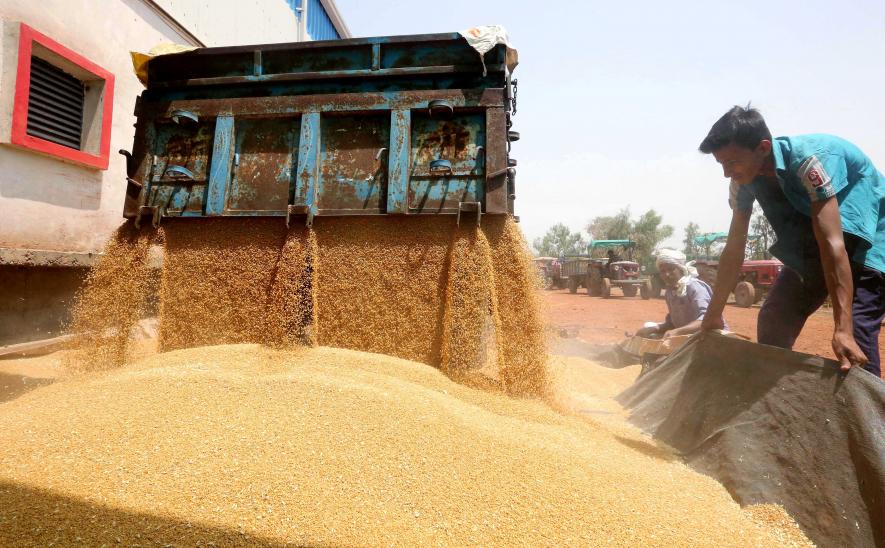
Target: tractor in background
(756,280)
(612,265)
(573,271)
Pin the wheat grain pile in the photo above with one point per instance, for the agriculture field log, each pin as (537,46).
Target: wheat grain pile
(248,445)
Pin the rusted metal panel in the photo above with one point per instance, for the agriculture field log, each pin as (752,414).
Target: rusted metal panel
(425,131)
(141,165)
(496,162)
(353,164)
(343,102)
(264,165)
(185,146)
(459,140)
(447,162)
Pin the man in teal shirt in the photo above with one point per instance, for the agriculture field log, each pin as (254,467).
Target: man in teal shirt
(824,199)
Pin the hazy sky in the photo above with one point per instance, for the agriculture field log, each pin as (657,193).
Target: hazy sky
(614,97)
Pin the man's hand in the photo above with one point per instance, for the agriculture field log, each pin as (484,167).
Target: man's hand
(847,351)
(712,322)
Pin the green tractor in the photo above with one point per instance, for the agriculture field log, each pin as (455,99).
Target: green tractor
(612,265)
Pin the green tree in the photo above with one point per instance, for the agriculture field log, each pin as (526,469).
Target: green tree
(558,241)
(647,231)
(691,249)
(617,227)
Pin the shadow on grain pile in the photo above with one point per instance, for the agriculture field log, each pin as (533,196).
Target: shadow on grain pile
(419,288)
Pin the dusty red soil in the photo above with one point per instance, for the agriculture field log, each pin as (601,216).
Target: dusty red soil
(600,321)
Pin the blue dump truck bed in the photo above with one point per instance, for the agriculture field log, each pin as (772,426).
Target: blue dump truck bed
(374,126)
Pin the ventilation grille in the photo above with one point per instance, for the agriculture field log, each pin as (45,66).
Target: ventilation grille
(55,105)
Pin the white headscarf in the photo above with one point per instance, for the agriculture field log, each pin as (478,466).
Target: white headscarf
(677,258)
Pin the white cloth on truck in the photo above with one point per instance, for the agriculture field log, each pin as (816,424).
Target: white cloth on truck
(483,39)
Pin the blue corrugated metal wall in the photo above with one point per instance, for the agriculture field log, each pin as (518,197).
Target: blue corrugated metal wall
(319,26)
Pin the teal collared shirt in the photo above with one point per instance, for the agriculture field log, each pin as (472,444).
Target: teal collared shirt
(812,168)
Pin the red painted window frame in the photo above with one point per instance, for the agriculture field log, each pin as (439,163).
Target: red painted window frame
(27,37)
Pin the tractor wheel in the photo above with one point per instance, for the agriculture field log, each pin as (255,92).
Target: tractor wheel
(573,284)
(646,290)
(593,288)
(744,294)
(548,283)
(606,290)
(656,287)
(760,294)
(630,290)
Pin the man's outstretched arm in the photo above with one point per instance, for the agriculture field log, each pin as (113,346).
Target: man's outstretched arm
(729,267)
(837,271)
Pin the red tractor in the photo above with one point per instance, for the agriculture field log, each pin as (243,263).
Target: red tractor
(756,279)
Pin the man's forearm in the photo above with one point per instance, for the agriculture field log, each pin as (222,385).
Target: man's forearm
(726,277)
(730,262)
(837,273)
(827,227)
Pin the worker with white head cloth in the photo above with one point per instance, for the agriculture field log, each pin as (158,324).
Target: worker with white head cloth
(687,297)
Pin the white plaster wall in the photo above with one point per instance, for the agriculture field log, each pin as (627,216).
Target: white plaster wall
(243,22)
(46,203)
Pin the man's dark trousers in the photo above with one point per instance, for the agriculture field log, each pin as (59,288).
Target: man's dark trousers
(793,298)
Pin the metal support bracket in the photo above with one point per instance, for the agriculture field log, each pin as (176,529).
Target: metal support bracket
(299,210)
(145,211)
(469,207)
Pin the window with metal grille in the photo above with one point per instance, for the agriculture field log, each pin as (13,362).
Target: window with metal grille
(55,105)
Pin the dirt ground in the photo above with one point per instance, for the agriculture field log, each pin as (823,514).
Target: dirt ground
(601,321)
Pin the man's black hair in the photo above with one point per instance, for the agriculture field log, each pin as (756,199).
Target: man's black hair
(743,126)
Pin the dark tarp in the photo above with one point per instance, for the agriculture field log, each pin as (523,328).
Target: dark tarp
(775,426)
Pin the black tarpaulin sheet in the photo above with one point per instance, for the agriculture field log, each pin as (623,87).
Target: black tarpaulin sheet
(775,426)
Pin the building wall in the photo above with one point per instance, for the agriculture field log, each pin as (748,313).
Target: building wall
(236,23)
(46,203)
(54,212)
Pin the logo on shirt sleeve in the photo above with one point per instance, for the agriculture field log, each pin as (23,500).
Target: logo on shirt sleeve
(815,179)
(737,200)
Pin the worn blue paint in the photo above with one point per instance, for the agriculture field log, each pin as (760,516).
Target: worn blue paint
(308,162)
(433,195)
(398,167)
(219,171)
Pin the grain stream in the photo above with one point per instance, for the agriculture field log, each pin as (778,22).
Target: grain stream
(114,297)
(418,288)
